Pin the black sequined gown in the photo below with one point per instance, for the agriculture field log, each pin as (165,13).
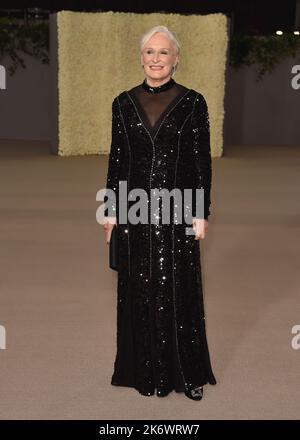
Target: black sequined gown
(160,139)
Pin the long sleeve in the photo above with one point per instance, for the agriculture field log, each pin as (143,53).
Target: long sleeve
(116,157)
(201,153)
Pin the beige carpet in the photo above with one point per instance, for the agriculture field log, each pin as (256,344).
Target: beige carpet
(58,296)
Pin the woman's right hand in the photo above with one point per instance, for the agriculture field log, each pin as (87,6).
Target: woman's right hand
(110,223)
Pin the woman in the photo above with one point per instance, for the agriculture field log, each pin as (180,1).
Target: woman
(160,139)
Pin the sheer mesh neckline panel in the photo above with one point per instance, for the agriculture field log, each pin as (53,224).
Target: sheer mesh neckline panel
(154,106)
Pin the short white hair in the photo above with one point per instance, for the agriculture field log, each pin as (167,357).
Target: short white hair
(171,35)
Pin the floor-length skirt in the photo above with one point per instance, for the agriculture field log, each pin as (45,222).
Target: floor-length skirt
(161,336)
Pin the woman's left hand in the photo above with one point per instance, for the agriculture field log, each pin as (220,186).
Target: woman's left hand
(200,227)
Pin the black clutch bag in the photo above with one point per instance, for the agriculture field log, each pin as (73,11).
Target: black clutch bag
(113,249)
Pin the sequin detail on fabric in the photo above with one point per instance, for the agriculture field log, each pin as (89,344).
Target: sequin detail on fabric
(161,336)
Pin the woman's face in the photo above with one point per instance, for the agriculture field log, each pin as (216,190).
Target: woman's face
(158,57)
